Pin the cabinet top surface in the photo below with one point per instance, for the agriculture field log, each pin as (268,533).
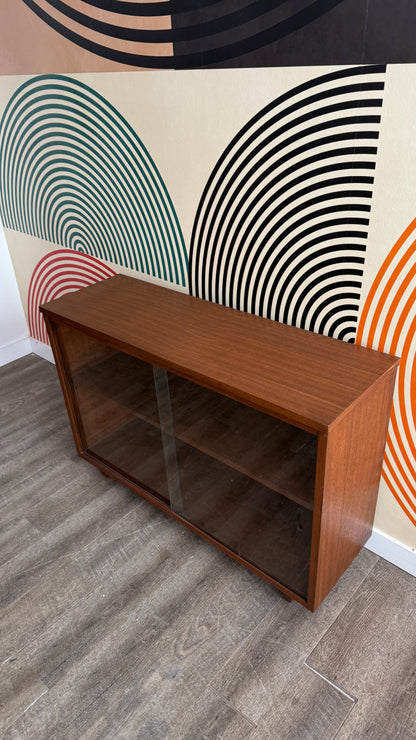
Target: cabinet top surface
(298,375)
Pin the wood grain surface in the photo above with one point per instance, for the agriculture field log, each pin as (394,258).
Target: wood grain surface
(252,359)
(260,670)
(345,504)
(370,651)
(309,707)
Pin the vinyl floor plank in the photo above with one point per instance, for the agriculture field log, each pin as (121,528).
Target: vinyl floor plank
(67,501)
(32,485)
(10,403)
(32,416)
(58,587)
(166,644)
(29,373)
(209,718)
(19,689)
(16,535)
(165,685)
(43,406)
(309,708)
(50,491)
(144,536)
(67,538)
(370,651)
(134,522)
(150,538)
(127,593)
(256,675)
(32,454)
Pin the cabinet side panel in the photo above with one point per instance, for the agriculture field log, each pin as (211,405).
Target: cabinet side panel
(64,380)
(352,471)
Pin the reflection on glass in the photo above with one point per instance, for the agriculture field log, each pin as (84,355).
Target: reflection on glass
(247,480)
(168,439)
(118,409)
(239,475)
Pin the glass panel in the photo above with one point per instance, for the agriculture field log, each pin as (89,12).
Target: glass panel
(247,480)
(118,409)
(168,439)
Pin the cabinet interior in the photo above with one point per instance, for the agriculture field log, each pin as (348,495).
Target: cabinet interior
(245,478)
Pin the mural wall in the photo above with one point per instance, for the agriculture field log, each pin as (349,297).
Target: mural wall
(254,154)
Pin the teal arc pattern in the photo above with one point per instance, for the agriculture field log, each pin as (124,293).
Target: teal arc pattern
(74,173)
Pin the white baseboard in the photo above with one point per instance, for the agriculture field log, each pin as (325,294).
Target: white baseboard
(42,350)
(393,551)
(23,347)
(15,351)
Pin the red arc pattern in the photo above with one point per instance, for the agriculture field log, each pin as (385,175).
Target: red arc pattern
(60,272)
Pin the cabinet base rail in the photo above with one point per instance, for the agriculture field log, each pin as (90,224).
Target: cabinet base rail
(164,506)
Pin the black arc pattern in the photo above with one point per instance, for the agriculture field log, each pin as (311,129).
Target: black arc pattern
(192,34)
(282,224)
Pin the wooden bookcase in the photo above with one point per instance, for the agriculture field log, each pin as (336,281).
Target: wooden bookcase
(265,439)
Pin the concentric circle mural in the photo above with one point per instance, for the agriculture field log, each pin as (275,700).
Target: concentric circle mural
(177,33)
(60,272)
(282,224)
(388,323)
(73,172)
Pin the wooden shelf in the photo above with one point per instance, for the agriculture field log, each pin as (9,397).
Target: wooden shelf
(258,524)
(278,455)
(239,513)
(272,438)
(269,451)
(135,449)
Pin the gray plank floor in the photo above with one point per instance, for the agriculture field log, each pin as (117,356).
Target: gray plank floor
(118,623)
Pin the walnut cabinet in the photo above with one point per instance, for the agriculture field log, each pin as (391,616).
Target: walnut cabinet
(265,439)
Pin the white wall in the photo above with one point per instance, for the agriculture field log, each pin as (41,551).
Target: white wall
(14,333)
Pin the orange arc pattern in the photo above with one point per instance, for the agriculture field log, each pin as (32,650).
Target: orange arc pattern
(388,323)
